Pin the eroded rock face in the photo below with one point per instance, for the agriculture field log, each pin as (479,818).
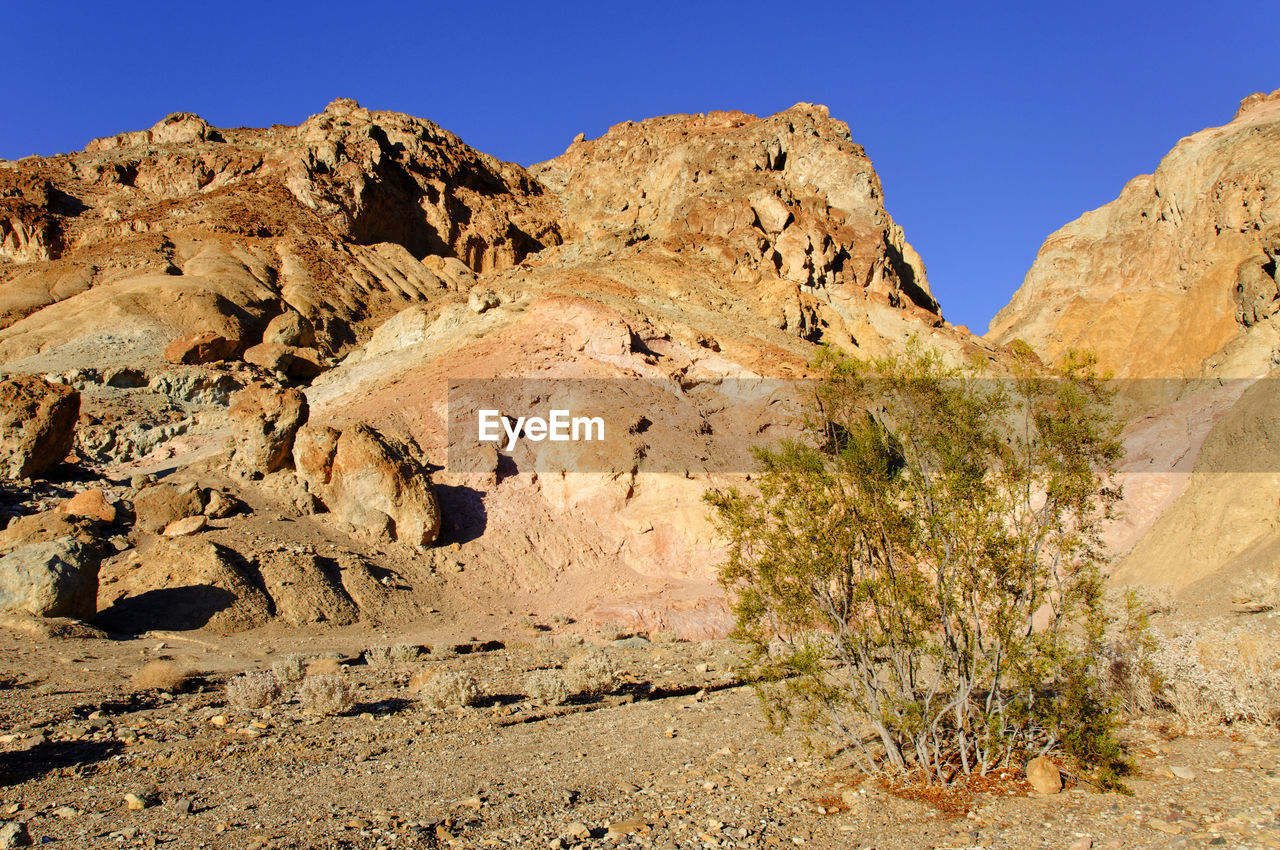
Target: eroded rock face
(197,349)
(369,482)
(37,425)
(54,578)
(1175,269)
(788,196)
(265,421)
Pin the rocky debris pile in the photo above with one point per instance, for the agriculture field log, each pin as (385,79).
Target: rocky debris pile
(37,425)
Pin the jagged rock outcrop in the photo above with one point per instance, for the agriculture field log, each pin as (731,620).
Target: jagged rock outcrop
(1175,270)
(37,425)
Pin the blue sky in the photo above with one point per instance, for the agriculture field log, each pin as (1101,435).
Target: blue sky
(990,125)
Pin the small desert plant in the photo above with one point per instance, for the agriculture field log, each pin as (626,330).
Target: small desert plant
(561,619)
(610,631)
(289,669)
(160,675)
(590,673)
(404,653)
(546,687)
(327,694)
(253,690)
(378,657)
(528,621)
(447,689)
(664,636)
(1259,589)
(1127,672)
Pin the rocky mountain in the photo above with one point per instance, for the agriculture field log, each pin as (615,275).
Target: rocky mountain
(1174,285)
(269,321)
(1178,274)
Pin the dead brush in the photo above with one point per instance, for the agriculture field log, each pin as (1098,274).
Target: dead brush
(162,675)
(546,687)
(252,691)
(590,673)
(448,689)
(326,694)
(289,669)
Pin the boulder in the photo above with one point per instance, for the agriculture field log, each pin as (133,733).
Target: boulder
(90,504)
(37,425)
(1044,776)
(369,481)
(43,527)
(264,422)
(196,349)
(56,578)
(292,361)
(291,328)
(156,507)
(181,583)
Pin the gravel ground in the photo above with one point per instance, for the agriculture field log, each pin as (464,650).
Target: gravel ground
(677,757)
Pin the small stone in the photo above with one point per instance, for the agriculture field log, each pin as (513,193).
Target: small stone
(1081,844)
(65,812)
(218,720)
(1164,826)
(471,803)
(182,806)
(138,801)
(1044,776)
(14,835)
(669,732)
(702,668)
(1183,772)
(186,526)
(627,827)
(577,830)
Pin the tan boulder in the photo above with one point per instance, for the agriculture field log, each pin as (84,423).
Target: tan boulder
(90,504)
(369,481)
(290,328)
(1044,776)
(264,422)
(43,527)
(155,508)
(196,349)
(37,425)
(297,363)
(186,526)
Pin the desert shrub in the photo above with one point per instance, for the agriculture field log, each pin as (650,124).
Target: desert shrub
(448,689)
(289,669)
(253,690)
(610,631)
(1126,671)
(404,653)
(1259,589)
(327,694)
(162,675)
(378,657)
(529,622)
(590,673)
(664,636)
(546,687)
(1213,674)
(923,565)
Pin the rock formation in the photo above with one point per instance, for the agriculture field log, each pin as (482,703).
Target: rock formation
(359,262)
(1178,269)
(37,425)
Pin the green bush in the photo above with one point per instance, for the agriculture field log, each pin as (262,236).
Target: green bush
(920,572)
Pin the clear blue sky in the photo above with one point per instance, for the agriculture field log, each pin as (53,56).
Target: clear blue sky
(990,125)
